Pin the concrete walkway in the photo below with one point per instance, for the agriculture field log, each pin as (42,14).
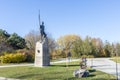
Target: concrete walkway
(104,65)
(3,78)
(15,65)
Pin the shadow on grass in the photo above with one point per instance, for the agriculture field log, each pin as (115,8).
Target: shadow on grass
(72,78)
(26,76)
(58,65)
(86,78)
(91,75)
(75,78)
(64,65)
(40,77)
(92,70)
(103,79)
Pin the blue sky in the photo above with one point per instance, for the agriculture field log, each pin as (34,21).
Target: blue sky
(96,18)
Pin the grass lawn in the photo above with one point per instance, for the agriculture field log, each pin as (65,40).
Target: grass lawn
(116,59)
(53,72)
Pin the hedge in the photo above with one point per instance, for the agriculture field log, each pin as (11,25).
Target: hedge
(13,58)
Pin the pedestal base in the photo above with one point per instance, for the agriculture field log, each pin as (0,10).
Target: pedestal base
(42,57)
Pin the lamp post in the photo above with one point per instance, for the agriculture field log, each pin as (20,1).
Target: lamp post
(116,67)
(68,57)
(91,62)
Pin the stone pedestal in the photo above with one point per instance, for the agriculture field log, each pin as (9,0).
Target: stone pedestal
(42,56)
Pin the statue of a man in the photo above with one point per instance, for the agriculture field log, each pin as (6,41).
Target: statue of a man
(42,32)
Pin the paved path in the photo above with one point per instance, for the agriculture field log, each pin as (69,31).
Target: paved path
(3,78)
(5,66)
(104,65)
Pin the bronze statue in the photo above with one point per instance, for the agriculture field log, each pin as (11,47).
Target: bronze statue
(42,32)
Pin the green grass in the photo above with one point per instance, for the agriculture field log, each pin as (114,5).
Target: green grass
(116,59)
(53,72)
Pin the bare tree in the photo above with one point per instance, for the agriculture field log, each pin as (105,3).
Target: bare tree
(33,36)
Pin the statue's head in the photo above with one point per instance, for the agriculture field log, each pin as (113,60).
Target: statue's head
(42,23)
